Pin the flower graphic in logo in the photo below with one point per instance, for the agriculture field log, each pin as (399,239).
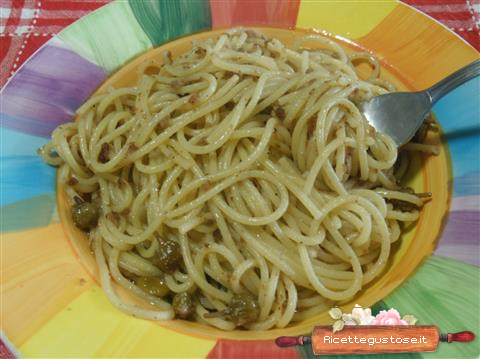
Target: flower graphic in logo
(392,317)
(361,316)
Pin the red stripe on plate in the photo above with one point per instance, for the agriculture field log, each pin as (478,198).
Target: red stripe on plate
(434,2)
(279,13)
(251,349)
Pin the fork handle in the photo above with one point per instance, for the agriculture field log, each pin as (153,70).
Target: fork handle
(437,91)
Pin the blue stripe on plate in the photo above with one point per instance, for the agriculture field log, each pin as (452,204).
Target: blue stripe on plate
(459,114)
(24,177)
(27,184)
(460,109)
(16,143)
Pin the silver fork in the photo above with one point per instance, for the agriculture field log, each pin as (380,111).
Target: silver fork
(400,114)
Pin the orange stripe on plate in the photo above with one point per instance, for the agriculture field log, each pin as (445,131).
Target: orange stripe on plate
(40,275)
(422,51)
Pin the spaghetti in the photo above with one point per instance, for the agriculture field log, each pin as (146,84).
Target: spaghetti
(237,184)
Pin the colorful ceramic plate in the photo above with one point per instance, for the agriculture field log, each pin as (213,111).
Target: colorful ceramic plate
(52,304)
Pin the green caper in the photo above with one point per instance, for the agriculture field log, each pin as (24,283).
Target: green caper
(242,309)
(183,305)
(403,206)
(132,277)
(153,285)
(168,257)
(85,215)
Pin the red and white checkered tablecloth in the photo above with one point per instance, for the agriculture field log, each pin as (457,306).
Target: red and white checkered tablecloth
(25,25)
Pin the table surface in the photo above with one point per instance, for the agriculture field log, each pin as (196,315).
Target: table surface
(25,25)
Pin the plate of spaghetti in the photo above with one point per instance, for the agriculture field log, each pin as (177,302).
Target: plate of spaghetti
(211,180)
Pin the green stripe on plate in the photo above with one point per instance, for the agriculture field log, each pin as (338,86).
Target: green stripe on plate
(108,37)
(165,20)
(443,292)
(446,293)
